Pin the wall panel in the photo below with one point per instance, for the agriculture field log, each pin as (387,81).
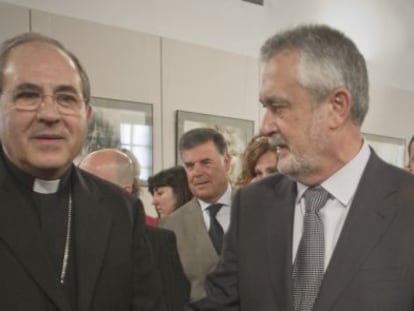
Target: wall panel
(13,20)
(205,80)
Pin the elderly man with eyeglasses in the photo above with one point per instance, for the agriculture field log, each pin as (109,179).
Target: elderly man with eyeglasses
(68,240)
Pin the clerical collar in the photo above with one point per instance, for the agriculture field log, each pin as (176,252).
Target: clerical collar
(45,186)
(35,184)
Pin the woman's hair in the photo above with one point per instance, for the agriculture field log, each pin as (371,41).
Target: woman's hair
(257,146)
(409,145)
(174,177)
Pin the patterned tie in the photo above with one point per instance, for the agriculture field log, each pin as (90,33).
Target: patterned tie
(215,231)
(308,268)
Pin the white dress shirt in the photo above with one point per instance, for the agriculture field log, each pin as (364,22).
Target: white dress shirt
(342,187)
(223,215)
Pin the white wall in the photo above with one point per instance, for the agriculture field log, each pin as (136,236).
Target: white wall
(200,55)
(382,30)
(204,80)
(169,74)
(13,20)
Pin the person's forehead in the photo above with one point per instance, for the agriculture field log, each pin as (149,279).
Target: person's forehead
(164,188)
(285,59)
(268,155)
(37,59)
(203,149)
(278,72)
(34,50)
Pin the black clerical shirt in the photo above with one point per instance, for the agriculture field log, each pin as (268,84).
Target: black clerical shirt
(51,210)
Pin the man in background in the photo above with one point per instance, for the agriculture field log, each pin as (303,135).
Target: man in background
(136,189)
(68,241)
(112,165)
(117,167)
(199,224)
(334,231)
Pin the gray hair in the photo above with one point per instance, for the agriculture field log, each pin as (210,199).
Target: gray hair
(198,136)
(329,60)
(7,46)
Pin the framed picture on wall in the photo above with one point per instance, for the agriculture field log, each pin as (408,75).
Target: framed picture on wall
(124,125)
(390,149)
(237,133)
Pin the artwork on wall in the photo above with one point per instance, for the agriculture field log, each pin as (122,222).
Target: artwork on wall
(121,124)
(390,149)
(237,133)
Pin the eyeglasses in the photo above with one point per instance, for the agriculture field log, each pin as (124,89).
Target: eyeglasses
(68,103)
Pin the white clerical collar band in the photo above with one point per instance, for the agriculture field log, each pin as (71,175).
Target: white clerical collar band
(45,186)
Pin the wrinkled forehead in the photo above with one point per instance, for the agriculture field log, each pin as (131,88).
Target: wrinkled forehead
(282,68)
(202,150)
(37,50)
(40,63)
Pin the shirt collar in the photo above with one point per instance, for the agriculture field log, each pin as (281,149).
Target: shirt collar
(343,183)
(225,199)
(32,183)
(45,186)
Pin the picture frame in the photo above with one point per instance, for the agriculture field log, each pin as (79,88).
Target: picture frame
(390,149)
(122,124)
(237,133)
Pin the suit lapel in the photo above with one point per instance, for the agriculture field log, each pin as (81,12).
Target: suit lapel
(367,220)
(92,225)
(279,211)
(20,231)
(195,221)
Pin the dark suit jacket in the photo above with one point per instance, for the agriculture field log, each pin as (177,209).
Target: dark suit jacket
(113,262)
(175,286)
(372,267)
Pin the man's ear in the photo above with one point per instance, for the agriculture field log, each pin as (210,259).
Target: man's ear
(89,112)
(340,102)
(227,162)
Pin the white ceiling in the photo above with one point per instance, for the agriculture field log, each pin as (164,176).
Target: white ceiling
(384,30)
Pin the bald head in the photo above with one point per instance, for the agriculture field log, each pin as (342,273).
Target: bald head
(111,165)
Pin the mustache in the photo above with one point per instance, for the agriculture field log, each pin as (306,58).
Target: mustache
(48,134)
(199,179)
(277,140)
(49,130)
